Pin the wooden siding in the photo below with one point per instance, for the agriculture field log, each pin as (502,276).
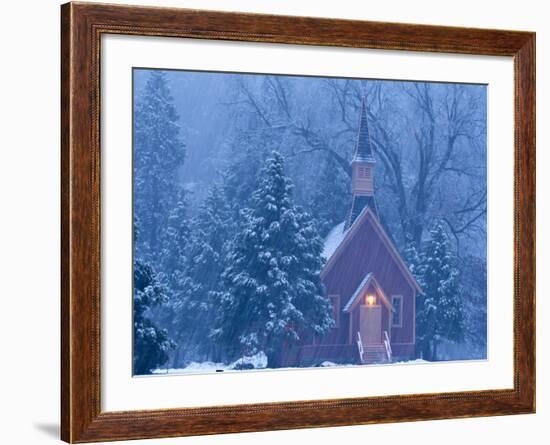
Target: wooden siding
(337,335)
(405,333)
(362,179)
(364,253)
(403,351)
(386,322)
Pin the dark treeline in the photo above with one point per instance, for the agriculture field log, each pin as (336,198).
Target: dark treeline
(212,150)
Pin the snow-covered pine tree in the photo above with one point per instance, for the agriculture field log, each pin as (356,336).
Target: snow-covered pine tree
(310,299)
(439,309)
(151,344)
(248,152)
(158,155)
(413,258)
(331,197)
(173,244)
(473,281)
(172,262)
(272,289)
(212,231)
(240,176)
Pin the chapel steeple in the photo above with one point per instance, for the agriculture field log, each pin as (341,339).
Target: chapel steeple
(362,167)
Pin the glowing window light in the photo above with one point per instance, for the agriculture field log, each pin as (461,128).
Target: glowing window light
(370,300)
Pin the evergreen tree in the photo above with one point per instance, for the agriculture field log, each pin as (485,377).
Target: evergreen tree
(172,263)
(248,153)
(413,258)
(439,308)
(310,299)
(331,198)
(174,241)
(158,155)
(473,280)
(272,286)
(211,235)
(151,344)
(240,176)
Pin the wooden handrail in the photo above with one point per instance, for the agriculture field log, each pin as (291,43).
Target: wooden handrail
(387,344)
(360,347)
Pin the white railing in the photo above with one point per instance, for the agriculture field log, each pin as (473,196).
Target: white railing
(360,347)
(387,344)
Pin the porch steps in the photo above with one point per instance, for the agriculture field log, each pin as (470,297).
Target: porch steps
(374,354)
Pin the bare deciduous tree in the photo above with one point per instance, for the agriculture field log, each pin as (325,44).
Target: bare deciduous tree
(428,137)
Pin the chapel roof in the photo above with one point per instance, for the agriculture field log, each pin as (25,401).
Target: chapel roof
(367,281)
(338,237)
(359,203)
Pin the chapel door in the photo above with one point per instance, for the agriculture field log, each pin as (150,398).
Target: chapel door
(370,325)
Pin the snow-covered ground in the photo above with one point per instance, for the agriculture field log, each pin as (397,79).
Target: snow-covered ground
(328,364)
(256,362)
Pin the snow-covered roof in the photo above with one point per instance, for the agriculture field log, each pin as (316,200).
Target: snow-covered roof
(333,240)
(337,235)
(365,280)
(364,283)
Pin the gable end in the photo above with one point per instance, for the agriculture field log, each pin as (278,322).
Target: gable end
(368,215)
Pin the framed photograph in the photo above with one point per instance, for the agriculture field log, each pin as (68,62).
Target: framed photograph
(274,222)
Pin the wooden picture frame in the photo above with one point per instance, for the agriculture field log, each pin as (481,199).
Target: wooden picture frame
(82,25)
